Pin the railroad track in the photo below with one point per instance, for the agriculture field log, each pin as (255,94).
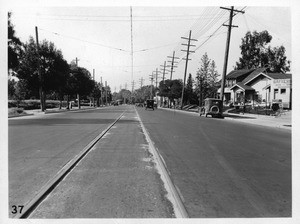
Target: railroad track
(52,183)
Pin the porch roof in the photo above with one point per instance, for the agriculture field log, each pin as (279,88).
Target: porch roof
(240,85)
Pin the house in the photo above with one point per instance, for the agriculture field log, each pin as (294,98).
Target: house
(257,86)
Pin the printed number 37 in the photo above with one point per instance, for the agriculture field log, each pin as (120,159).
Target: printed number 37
(17,209)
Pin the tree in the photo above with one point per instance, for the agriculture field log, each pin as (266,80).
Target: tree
(97,92)
(124,95)
(54,70)
(28,68)
(206,79)
(190,96)
(256,52)
(171,89)
(175,89)
(11,88)
(14,46)
(80,82)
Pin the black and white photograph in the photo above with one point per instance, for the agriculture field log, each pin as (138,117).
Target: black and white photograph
(150,111)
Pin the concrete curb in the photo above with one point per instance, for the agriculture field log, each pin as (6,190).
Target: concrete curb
(173,195)
(244,118)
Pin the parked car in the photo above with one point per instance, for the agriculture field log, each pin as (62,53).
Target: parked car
(212,107)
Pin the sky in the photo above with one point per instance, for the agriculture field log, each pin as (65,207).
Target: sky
(100,37)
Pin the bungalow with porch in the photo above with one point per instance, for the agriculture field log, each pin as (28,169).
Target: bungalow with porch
(257,86)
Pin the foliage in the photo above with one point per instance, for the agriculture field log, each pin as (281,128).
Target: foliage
(80,82)
(142,94)
(14,46)
(171,89)
(190,96)
(123,95)
(32,104)
(206,77)
(11,88)
(54,69)
(256,52)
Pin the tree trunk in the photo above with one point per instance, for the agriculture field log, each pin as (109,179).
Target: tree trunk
(78,98)
(68,103)
(42,99)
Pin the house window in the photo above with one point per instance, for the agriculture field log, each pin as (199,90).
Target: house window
(282,91)
(275,93)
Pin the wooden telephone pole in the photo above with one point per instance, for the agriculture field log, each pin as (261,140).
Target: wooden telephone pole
(227,49)
(164,71)
(151,79)
(172,64)
(41,89)
(186,62)
(141,81)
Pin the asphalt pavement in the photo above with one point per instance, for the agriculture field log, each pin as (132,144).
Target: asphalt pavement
(232,167)
(118,178)
(283,121)
(222,167)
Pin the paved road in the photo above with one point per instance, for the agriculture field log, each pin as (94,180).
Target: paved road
(221,168)
(224,168)
(117,178)
(41,145)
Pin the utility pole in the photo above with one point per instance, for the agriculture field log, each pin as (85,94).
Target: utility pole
(156,77)
(78,97)
(141,81)
(131,43)
(41,89)
(105,93)
(186,62)
(101,84)
(172,63)
(164,71)
(151,79)
(227,49)
(94,82)
(132,86)
(132,89)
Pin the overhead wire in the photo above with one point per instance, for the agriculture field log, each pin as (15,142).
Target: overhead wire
(75,38)
(214,33)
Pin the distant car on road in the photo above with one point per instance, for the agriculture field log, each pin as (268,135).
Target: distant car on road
(149,104)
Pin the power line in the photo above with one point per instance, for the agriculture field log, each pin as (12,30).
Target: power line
(75,38)
(89,18)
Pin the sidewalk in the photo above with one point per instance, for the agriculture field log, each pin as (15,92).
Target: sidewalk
(50,111)
(284,121)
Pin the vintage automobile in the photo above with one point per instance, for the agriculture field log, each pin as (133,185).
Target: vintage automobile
(149,104)
(212,107)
